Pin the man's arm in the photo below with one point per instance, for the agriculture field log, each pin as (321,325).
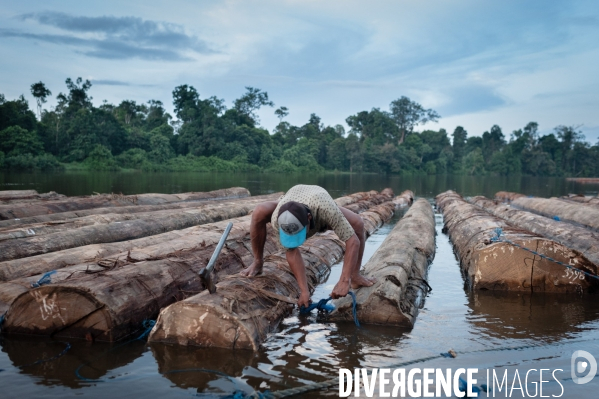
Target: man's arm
(352,250)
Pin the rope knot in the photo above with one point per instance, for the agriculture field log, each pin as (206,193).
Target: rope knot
(45,279)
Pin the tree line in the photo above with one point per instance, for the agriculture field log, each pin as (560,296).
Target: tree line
(205,135)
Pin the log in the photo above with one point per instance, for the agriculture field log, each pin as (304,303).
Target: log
(27,196)
(507,196)
(38,229)
(404,199)
(490,265)
(113,301)
(16,211)
(575,237)
(372,200)
(586,216)
(584,180)
(244,310)
(400,266)
(587,200)
(120,231)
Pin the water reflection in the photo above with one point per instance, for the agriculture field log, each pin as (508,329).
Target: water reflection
(85,183)
(94,361)
(539,317)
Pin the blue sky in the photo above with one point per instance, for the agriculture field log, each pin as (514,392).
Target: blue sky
(478,63)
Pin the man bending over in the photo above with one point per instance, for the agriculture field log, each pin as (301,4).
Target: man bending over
(302,212)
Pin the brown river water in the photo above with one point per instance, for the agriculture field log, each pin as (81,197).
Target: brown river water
(488,330)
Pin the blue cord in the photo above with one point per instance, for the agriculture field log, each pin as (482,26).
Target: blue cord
(500,238)
(45,279)
(51,358)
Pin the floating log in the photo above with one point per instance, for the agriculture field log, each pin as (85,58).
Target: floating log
(16,211)
(111,303)
(490,265)
(584,180)
(572,236)
(404,199)
(400,266)
(370,201)
(583,215)
(26,196)
(39,229)
(152,223)
(587,200)
(244,310)
(507,196)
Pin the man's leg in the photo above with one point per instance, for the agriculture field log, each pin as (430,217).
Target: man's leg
(260,217)
(356,222)
(296,263)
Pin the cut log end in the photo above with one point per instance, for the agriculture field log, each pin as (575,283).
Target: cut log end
(67,311)
(195,324)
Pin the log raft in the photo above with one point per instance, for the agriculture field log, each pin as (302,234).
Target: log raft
(244,310)
(404,199)
(112,304)
(23,196)
(507,196)
(400,266)
(491,265)
(572,236)
(149,224)
(17,211)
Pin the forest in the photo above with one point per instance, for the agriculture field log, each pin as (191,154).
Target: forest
(205,135)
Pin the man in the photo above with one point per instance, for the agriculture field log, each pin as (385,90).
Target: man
(302,212)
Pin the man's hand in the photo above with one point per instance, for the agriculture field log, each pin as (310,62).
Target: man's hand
(341,289)
(304,300)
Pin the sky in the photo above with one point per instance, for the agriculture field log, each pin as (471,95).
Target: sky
(476,62)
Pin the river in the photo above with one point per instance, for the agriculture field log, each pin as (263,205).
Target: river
(479,326)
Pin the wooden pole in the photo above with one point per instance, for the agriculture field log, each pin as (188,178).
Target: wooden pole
(112,303)
(575,237)
(13,211)
(244,310)
(490,265)
(400,266)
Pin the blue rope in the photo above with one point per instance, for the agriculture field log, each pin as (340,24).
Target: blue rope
(45,279)
(148,325)
(499,237)
(323,306)
(556,218)
(2,320)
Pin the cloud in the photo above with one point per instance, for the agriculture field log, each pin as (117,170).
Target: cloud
(113,38)
(469,99)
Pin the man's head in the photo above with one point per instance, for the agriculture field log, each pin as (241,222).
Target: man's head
(294,221)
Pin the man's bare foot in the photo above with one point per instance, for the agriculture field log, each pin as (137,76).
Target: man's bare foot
(253,270)
(358,281)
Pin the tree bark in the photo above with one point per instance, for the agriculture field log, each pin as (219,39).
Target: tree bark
(16,211)
(489,265)
(586,216)
(26,196)
(114,300)
(374,199)
(587,200)
(244,310)
(575,237)
(400,267)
